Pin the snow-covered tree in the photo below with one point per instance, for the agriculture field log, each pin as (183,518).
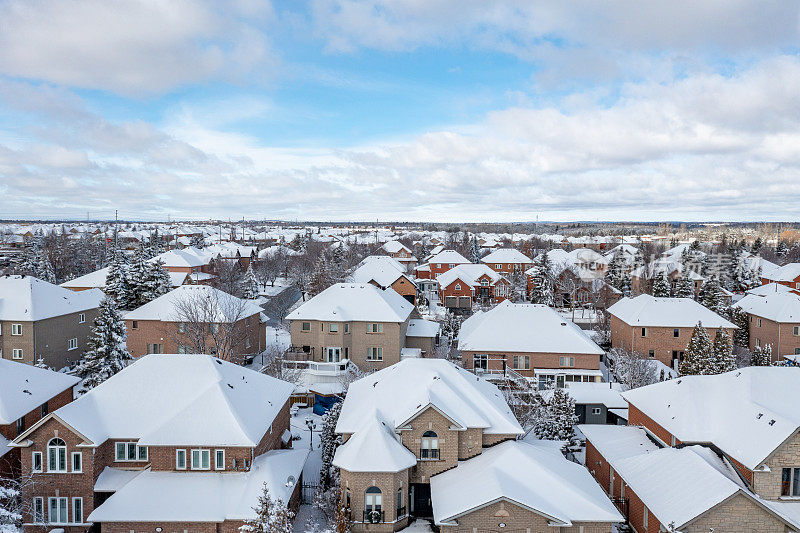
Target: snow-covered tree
(741,336)
(107,353)
(329,474)
(475,250)
(633,369)
(272,516)
(558,419)
(684,288)
(157,282)
(117,282)
(197,241)
(761,356)
(617,269)
(541,282)
(699,356)
(661,286)
(320,277)
(712,296)
(338,263)
(41,364)
(12,505)
(757,245)
(724,359)
(250,284)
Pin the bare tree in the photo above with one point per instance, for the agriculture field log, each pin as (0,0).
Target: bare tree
(632,368)
(211,322)
(229,276)
(269,268)
(301,268)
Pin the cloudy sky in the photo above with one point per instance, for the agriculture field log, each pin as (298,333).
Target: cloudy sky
(452,110)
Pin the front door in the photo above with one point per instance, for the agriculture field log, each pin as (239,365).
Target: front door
(420,500)
(560,379)
(334,354)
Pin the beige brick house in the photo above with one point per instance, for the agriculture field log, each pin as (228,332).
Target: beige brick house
(774,320)
(353,322)
(408,427)
(42,320)
(661,328)
(124,455)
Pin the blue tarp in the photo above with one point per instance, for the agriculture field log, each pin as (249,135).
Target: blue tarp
(323,403)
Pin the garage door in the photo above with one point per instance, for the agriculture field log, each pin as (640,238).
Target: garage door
(450,301)
(465,302)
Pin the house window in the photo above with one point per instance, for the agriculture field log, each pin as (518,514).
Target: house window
(16,329)
(644,518)
(135,324)
(651,353)
(373,500)
(485,282)
(219,459)
(797,351)
(333,354)
(400,509)
(374,328)
(201,459)
(44,409)
(458,287)
(375,353)
(56,455)
(77,510)
(452,265)
(81,318)
(596,410)
(72,344)
(77,462)
(333,328)
(347,328)
(480,362)
(36,461)
(676,333)
(305,326)
(38,510)
(20,425)
(759,322)
(790,482)
(129,451)
(644,332)
(758,343)
(429,447)
(522,362)
(16,353)
(181,327)
(57,511)
(498,267)
(180,459)
(183,349)
(155,348)
(566,361)
(797,331)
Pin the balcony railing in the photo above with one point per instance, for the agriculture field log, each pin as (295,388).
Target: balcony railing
(374,516)
(317,367)
(401,513)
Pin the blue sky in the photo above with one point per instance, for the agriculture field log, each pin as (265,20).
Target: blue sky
(400,110)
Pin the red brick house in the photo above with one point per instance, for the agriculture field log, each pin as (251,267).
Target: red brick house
(774,320)
(788,275)
(402,253)
(123,456)
(27,393)
(440,263)
(507,261)
(466,284)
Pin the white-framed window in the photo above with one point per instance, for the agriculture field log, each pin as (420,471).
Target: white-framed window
(57,511)
(644,332)
(566,361)
(129,452)
(56,455)
(374,328)
(81,318)
(201,459)
(644,518)
(375,353)
(373,499)
(596,410)
(77,462)
(796,331)
(429,446)
(219,459)
(135,324)
(180,459)
(498,266)
(759,322)
(484,282)
(522,362)
(333,354)
(305,326)
(16,353)
(790,482)
(72,344)
(333,328)
(458,287)
(651,353)
(38,510)
(797,351)
(347,328)
(676,333)
(758,342)
(155,348)
(16,329)
(36,462)
(77,510)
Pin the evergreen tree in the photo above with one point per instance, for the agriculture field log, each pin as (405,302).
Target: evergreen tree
(661,286)
(330,441)
(741,336)
(272,516)
(626,284)
(157,283)
(117,282)
(757,245)
(476,250)
(250,284)
(107,353)
(699,355)
(338,263)
(138,273)
(616,271)
(197,241)
(684,288)
(541,282)
(712,296)
(320,277)
(782,249)
(557,419)
(724,359)
(761,356)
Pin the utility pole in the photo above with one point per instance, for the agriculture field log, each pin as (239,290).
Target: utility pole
(116,230)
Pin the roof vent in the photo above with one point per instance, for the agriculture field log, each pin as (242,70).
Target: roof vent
(772,422)
(229,385)
(26,391)
(758,417)
(563,323)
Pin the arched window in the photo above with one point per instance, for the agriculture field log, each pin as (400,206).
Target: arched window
(429,448)
(373,499)
(56,455)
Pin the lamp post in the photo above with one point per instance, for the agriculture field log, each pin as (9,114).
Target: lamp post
(311,427)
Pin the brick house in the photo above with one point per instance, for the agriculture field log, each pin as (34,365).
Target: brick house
(774,320)
(463,285)
(401,253)
(788,275)
(175,322)
(124,455)
(42,320)
(440,263)
(661,328)
(359,323)
(507,261)
(27,393)
(407,428)
(533,341)
(386,272)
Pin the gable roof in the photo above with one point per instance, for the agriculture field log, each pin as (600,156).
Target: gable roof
(748,413)
(468,273)
(448,257)
(374,448)
(404,389)
(646,310)
(26,299)
(564,491)
(778,306)
(392,247)
(23,388)
(177,400)
(382,269)
(535,328)
(166,307)
(789,272)
(349,302)
(506,255)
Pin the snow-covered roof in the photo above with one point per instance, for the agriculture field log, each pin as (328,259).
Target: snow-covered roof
(166,307)
(788,272)
(27,299)
(523,328)
(374,447)
(646,310)
(469,273)
(381,269)
(778,306)
(23,388)
(112,479)
(346,302)
(615,443)
(96,280)
(167,496)
(448,257)
(607,394)
(404,389)
(747,413)
(177,400)
(419,327)
(770,288)
(392,247)
(506,255)
(563,491)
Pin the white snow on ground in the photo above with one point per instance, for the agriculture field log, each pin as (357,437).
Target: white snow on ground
(419,526)
(298,426)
